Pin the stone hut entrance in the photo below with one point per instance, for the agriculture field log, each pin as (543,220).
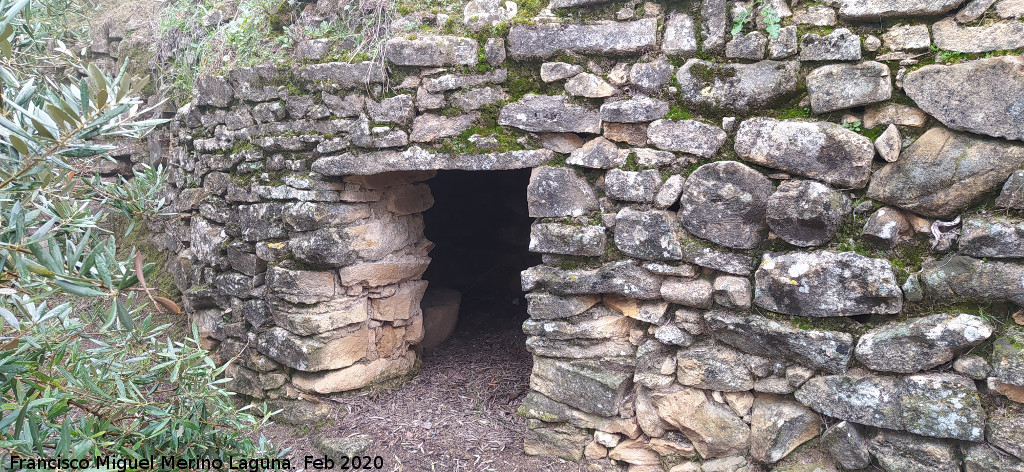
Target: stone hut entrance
(480,229)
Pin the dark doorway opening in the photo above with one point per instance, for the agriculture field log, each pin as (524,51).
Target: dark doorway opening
(481,230)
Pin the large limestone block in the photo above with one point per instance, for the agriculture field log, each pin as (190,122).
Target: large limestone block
(778,425)
(754,334)
(998,36)
(590,386)
(341,75)
(680,35)
(920,343)
(325,247)
(974,279)
(545,306)
(391,269)
(897,451)
(635,452)
(301,286)
(713,367)
(354,377)
(934,405)
(1008,358)
(655,364)
(725,202)
(598,153)
(259,221)
(440,314)
(982,96)
(308,320)
(430,127)
(307,216)
(696,293)
(705,255)
(632,186)
(315,353)
(1012,194)
(838,86)
(432,51)
(558,192)
(877,9)
(549,114)
(689,136)
(638,109)
(625,278)
(647,415)
(589,86)
(847,444)
(539,407)
(992,236)
(826,283)
(597,323)
(839,45)
(212,90)
(541,41)
(402,304)
(574,240)
(943,406)
(714,21)
(862,399)
(389,179)
(943,172)
(736,88)
(894,114)
(714,428)
(415,158)
(651,235)
(806,213)
(985,458)
(445,82)
(819,150)
(544,346)
(555,440)
(480,14)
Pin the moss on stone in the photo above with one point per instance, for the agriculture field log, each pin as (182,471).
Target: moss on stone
(793,112)
(678,112)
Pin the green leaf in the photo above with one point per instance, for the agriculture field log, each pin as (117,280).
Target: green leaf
(83,94)
(11,320)
(65,439)
(124,317)
(86,150)
(42,129)
(80,290)
(41,233)
(98,80)
(60,116)
(43,257)
(18,144)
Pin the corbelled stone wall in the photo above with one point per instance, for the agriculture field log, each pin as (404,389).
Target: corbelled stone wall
(792,248)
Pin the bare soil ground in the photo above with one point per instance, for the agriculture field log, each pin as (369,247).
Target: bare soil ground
(457,414)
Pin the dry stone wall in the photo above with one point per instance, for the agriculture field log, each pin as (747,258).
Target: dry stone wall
(764,249)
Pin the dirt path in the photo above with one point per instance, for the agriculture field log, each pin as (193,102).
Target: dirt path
(458,414)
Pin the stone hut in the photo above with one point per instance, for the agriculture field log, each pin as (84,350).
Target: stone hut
(743,226)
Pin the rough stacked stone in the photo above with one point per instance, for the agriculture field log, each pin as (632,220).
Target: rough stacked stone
(656,336)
